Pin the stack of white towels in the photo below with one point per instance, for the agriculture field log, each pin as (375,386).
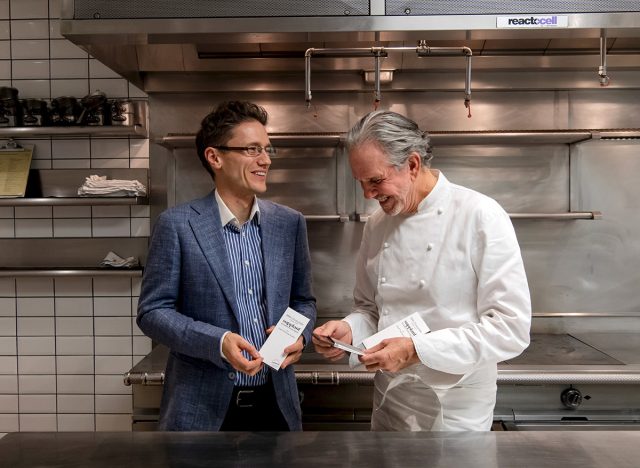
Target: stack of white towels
(99,186)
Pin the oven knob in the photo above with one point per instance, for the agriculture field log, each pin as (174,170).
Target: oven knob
(571,398)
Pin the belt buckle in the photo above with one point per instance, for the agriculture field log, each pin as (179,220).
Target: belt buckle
(239,403)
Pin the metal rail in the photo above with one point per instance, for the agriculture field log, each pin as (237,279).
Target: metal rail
(564,216)
(65,272)
(74,201)
(505,377)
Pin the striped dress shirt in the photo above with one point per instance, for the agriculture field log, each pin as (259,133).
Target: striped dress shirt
(244,248)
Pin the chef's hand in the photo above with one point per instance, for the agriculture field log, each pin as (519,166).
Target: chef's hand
(232,347)
(293,352)
(392,354)
(338,329)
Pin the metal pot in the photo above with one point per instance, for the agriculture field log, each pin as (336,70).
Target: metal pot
(65,110)
(10,110)
(121,112)
(34,112)
(95,109)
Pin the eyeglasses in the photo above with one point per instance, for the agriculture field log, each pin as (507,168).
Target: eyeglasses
(252,150)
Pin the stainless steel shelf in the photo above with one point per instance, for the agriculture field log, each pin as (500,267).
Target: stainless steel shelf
(71,271)
(341,218)
(282,140)
(438,138)
(74,201)
(98,131)
(568,216)
(565,216)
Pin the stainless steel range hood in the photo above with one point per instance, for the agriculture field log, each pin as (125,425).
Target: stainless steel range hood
(148,42)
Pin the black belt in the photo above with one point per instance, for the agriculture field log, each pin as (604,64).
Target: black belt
(250,397)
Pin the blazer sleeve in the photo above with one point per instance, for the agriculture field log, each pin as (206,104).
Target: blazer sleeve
(158,316)
(302,298)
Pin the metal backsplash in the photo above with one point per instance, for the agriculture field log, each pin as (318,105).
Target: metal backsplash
(574,267)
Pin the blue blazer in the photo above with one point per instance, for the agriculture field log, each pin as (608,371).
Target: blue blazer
(187,302)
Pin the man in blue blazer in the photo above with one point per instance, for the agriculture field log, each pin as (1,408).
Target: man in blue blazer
(220,272)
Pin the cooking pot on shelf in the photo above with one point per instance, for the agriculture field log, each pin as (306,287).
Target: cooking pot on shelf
(10,110)
(34,112)
(65,110)
(95,109)
(121,112)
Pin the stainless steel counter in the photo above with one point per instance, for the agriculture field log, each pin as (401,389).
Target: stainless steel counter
(580,355)
(602,370)
(318,449)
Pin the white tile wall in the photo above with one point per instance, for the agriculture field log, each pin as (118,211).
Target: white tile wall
(34,287)
(37,384)
(66,342)
(76,423)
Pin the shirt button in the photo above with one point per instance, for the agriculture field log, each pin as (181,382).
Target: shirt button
(246,262)
(383,280)
(231,375)
(429,246)
(440,211)
(255,320)
(384,312)
(422,283)
(250,291)
(386,245)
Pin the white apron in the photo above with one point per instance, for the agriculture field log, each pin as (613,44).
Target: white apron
(405,402)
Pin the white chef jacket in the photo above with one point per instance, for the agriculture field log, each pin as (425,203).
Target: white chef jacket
(457,262)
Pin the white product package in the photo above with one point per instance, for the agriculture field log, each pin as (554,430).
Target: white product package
(287,331)
(409,326)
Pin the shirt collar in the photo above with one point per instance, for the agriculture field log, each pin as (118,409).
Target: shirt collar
(226,216)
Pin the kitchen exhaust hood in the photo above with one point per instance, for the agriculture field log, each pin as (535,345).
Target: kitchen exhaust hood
(152,43)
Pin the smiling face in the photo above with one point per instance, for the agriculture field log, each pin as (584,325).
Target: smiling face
(392,187)
(238,174)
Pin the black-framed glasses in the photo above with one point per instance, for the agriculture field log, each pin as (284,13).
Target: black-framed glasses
(252,150)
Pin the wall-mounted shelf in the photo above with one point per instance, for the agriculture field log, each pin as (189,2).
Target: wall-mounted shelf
(74,201)
(280,140)
(438,138)
(341,218)
(565,216)
(73,271)
(137,131)
(568,216)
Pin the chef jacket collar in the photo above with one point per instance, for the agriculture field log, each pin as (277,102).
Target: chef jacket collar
(435,199)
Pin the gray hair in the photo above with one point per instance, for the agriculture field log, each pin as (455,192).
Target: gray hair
(397,135)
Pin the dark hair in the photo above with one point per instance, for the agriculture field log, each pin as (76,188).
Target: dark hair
(216,128)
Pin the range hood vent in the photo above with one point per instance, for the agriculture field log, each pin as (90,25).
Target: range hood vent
(145,39)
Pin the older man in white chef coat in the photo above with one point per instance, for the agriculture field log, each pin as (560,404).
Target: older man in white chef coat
(441,250)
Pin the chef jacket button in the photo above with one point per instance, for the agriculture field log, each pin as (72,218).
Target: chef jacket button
(429,246)
(232,375)
(383,280)
(422,283)
(386,245)
(440,211)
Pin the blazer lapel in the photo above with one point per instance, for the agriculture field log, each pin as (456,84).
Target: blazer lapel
(272,251)
(206,225)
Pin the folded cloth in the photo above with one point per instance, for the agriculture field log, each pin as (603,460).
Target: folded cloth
(114,260)
(100,186)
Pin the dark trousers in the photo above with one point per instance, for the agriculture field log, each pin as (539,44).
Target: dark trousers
(254,409)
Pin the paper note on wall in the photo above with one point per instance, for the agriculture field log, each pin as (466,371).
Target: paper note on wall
(14,171)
